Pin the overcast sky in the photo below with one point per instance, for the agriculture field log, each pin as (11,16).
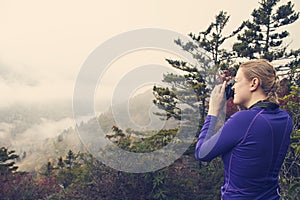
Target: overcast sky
(44,43)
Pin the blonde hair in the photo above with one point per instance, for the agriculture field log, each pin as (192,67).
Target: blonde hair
(266,74)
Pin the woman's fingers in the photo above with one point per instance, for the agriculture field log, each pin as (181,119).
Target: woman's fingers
(223,88)
(219,90)
(217,99)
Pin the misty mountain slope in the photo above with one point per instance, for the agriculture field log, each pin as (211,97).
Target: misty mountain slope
(40,136)
(49,150)
(137,113)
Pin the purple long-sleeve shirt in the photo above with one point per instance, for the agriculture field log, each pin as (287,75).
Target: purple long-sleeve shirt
(253,144)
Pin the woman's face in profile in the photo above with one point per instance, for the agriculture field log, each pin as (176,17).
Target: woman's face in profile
(241,88)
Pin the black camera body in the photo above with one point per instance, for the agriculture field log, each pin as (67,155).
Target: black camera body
(228,91)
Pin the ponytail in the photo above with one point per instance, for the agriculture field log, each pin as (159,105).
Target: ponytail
(272,93)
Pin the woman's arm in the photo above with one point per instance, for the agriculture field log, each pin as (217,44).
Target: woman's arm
(213,143)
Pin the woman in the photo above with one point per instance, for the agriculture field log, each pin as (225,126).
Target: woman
(252,142)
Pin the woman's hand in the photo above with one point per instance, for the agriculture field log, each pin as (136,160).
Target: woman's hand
(217,100)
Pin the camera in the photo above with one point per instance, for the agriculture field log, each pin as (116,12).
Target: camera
(228,91)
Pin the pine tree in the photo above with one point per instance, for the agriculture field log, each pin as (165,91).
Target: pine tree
(49,169)
(7,161)
(60,163)
(192,88)
(212,40)
(70,159)
(263,37)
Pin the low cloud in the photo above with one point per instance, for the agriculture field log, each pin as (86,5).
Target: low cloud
(25,85)
(34,135)
(38,143)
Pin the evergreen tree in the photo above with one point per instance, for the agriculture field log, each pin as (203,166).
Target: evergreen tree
(7,161)
(292,68)
(49,169)
(290,170)
(60,163)
(70,159)
(193,86)
(212,40)
(263,37)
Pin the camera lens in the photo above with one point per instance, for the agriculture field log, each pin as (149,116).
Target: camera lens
(228,91)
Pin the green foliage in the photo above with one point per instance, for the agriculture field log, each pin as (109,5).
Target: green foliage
(88,178)
(7,161)
(292,68)
(154,140)
(167,100)
(159,190)
(290,173)
(212,39)
(182,180)
(70,158)
(263,36)
(22,185)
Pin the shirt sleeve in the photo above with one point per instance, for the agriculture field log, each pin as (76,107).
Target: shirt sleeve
(213,143)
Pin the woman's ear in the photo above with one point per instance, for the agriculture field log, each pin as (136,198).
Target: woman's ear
(254,84)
